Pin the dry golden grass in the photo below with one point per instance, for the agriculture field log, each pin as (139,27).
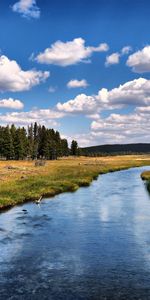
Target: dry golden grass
(21,180)
(145,175)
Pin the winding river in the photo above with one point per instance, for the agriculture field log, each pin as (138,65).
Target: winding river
(91,244)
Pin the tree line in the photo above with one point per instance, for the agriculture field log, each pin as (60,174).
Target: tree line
(35,142)
(116,149)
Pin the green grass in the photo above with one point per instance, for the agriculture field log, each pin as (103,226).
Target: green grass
(26,182)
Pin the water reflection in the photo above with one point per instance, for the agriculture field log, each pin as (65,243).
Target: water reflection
(92,244)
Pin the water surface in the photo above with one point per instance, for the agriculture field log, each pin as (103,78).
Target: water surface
(91,244)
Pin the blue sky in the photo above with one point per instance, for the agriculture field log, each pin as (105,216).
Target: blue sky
(82,67)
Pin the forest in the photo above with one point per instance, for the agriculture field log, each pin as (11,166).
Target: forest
(116,149)
(35,142)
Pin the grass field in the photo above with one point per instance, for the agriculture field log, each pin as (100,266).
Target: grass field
(21,181)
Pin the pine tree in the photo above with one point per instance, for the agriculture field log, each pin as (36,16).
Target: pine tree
(30,142)
(20,144)
(36,142)
(64,147)
(42,142)
(2,142)
(8,144)
(74,148)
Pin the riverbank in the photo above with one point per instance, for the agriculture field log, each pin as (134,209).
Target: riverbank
(22,181)
(146,176)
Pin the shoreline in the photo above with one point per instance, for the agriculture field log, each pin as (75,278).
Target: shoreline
(79,172)
(71,189)
(145,176)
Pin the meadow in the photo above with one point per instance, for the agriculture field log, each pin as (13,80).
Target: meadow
(22,181)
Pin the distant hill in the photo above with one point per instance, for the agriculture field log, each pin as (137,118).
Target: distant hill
(116,149)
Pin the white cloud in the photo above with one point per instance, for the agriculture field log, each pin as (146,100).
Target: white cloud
(11,103)
(143,110)
(27,8)
(126,50)
(115,122)
(112,59)
(41,116)
(13,78)
(135,92)
(140,60)
(117,128)
(103,47)
(94,116)
(74,83)
(68,53)
(81,104)
(134,127)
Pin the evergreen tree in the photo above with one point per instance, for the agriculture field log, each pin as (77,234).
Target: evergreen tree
(58,144)
(42,142)
(20,146)
(1,142)
(30,142)
(35,142)
(64,147)
(8,151)
(74,148)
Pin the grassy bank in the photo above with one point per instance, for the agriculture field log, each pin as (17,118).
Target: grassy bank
(146,176)
(21,181)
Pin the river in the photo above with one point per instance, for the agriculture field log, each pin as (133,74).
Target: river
(91,244)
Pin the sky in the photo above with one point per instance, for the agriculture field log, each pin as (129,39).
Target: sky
(81,67)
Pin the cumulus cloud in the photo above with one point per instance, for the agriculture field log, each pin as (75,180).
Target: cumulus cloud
(81,104)
(27,8)
(41,116)
(13,78)
(74,83)
(112,59)
(11,103)
(135,92)
(114,121)
(140,60)
(117,128)
(68,53)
